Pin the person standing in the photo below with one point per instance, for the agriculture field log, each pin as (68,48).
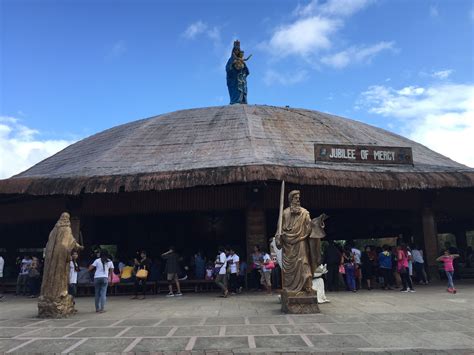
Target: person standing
(332,258)
(2,265)
(349,268)
(73,271)
(256,267)
(22,280)
(34,277)
(357,263)
(141,277)
(199,266)
(172,269)
(103,267)
(221,266)
(385,265)
(447,258)
(396,280)
(242,275)
(367,267)
(233,261)
(402,267)
(410,263)
(419,265)
(276,273)
(266,278)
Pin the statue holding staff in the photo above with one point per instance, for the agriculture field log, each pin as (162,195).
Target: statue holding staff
(294,241)
(299,239)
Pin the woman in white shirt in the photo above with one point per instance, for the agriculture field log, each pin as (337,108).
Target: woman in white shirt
(73,270)
(103,268)
(221,265)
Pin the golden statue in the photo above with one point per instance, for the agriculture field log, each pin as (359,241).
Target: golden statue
(294,240)
(54,301)
(299,238)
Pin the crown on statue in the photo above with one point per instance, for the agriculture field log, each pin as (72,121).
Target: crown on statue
(237,44)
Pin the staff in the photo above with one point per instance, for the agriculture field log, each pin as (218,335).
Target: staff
(280,227)
(280,216)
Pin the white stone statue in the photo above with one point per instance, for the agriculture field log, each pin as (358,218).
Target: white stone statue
(318,283)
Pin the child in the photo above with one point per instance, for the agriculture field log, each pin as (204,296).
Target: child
(209,272)
(239,60)
(447,259)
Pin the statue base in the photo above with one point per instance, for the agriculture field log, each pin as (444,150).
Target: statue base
(60,307)
(299,302)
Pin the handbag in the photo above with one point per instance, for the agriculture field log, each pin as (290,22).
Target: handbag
(142,273)
(270,265)
(342,270)
(114,278)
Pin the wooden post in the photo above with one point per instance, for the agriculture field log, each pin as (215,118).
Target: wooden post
(430,237)
(256,233)
(76,228)
(461,239)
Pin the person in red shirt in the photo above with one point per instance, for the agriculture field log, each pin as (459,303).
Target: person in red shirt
(447,258)
(402,268)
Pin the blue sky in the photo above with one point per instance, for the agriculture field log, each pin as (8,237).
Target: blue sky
(72,68)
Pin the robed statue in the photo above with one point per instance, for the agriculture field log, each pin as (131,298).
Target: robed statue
(299,238)
(54,301)
(237,72)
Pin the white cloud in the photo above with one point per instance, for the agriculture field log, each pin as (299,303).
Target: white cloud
(273,77)
(311,35)
(20,148)
(434,11)
(439,116)
(343,7)
(201,28)
(411,91)
(361,54)
(303,37)
(314,27)
(340,8)
(117,49)
(195,29)
(442,74)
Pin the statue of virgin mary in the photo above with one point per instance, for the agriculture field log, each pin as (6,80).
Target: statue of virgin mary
(237,73)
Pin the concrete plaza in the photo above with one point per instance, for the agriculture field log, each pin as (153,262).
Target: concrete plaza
(428,321)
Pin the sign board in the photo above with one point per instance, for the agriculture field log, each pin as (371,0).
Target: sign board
(368,154)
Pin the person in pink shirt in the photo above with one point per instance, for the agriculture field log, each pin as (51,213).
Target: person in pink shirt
(447,258)
(402,268)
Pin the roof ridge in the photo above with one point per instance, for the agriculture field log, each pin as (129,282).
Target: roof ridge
(250,136)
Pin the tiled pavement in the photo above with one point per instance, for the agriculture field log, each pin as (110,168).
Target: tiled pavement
(428,321)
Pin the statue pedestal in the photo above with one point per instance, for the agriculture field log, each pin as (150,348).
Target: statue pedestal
(55,308)
(299,302)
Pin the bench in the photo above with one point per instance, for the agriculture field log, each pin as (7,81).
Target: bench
(189,285)
(9,286)
(153,287)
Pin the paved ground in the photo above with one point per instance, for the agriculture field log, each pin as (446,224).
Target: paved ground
(428,321)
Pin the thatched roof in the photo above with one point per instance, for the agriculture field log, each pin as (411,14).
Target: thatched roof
(230,144)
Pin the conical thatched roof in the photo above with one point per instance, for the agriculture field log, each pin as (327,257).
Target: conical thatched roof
(230,144)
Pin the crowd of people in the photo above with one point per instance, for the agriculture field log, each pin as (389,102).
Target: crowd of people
(386,267)
(390,267)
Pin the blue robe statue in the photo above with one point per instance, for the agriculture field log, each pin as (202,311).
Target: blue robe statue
(236,82)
